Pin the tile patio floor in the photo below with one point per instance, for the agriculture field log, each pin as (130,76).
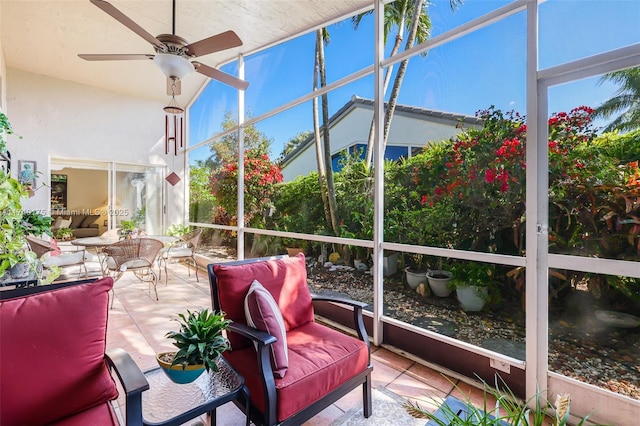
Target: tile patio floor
(137,323)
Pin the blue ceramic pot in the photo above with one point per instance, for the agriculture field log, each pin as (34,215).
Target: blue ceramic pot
(177,373)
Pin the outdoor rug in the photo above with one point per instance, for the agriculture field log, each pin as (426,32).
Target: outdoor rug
(387,411)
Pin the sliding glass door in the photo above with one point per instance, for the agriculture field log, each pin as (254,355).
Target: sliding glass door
(112,192)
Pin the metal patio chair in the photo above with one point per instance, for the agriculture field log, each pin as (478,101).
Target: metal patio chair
(185,248)
(63,259)
(137,255)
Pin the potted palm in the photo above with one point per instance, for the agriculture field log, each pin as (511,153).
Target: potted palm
(472,281)
(200,341)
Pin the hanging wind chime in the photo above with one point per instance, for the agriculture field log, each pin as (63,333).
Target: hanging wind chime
(173,130)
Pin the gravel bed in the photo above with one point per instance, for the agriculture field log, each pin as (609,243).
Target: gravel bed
(580,346)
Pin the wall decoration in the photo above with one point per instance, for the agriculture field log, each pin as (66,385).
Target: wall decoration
(27,170)
(58,192)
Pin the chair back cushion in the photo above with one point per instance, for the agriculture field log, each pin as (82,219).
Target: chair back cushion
(52,344)
(262,312)
(284,278)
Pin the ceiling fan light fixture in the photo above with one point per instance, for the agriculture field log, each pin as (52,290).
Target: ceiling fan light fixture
(173,66)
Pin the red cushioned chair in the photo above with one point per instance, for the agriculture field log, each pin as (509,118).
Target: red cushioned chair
(321,364)
(54,367)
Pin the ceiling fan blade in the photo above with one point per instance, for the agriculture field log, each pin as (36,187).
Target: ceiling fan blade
(216,43)
(114,57)
(220,76)
(126,21)
(175,90)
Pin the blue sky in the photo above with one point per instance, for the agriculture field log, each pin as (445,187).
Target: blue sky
(471,73)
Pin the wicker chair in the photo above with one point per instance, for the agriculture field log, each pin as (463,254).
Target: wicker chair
(63,259)
(185,248)
(136,255)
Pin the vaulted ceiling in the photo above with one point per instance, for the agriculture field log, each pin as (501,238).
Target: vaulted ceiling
(45,37)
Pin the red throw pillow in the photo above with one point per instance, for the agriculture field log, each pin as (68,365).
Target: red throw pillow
(52,345)
(262,312)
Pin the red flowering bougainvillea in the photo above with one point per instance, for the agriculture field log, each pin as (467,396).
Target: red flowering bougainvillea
(484,172)
(260,178)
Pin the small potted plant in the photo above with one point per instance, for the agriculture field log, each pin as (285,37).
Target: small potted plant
(415,269)
(472,281)
(440,280)
(178,230)
(127,229)
(64,234)
(200,341)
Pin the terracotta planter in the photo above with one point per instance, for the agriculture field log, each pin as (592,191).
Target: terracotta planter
(292,251)
(177,373)
(439,282)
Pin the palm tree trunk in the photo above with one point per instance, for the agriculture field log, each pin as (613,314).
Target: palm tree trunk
(316,131)
(402,69)
(331,194)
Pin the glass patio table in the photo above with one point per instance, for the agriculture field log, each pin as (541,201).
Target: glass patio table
(166,403)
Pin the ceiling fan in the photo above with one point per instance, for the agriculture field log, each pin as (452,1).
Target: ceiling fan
(173,53)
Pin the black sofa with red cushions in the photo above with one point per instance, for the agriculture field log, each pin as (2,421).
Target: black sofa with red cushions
(52,354)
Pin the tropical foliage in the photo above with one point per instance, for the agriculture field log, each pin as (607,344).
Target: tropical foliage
(469,193)
(507,410)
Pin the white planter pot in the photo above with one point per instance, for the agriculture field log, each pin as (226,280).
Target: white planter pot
(390,264)
(471,298)
(20,270)
(414,279)
(439,282)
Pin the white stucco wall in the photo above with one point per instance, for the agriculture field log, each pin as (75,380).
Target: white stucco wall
(3,74)
(406,130)
(57,118)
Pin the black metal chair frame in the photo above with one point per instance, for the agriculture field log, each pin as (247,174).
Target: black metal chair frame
(264,340)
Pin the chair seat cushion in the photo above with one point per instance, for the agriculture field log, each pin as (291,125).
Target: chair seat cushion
(64,259)
(176,252)
(262,312)
(320,360)
(52,351)
(102,415)
(132,264)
